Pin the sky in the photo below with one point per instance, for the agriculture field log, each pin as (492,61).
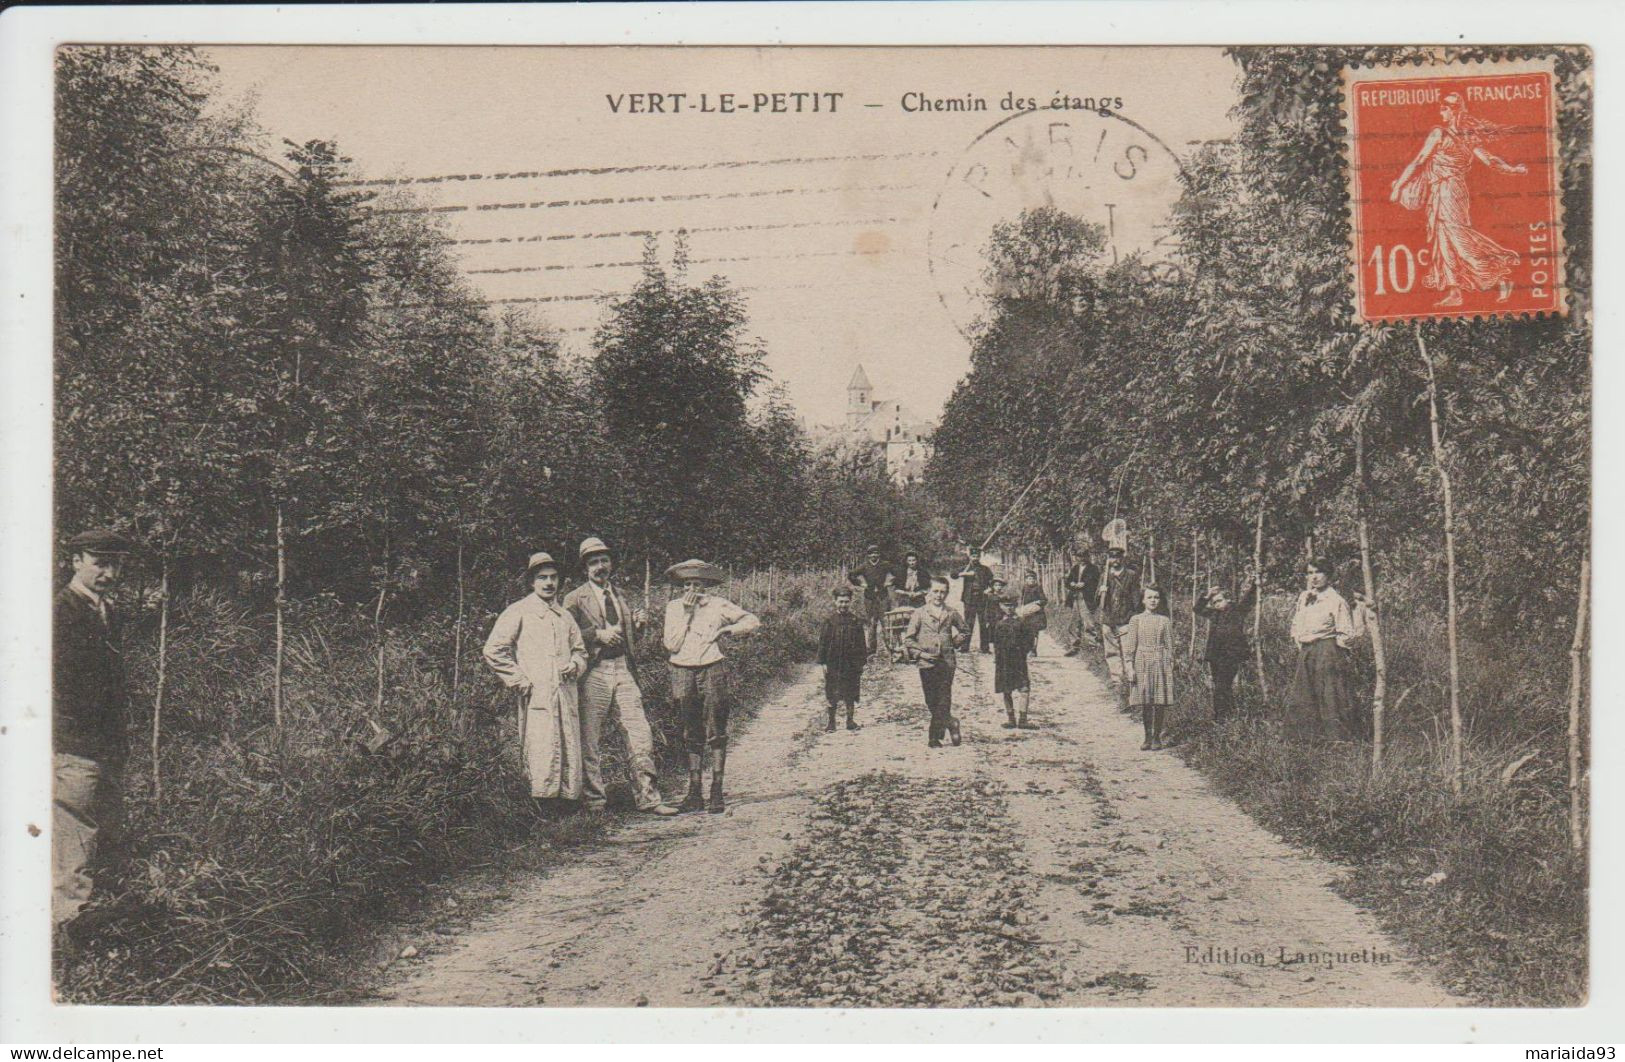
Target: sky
(854,227)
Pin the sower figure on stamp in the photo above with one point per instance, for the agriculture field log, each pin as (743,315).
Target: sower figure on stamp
(695,625)
(933,631)
(1119,600)
(1436,182)
(976,583)
(1227,647)
(610,695)
(90,709)
(841,653)
(537,649)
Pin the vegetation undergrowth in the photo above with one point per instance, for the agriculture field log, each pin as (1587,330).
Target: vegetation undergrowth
(1483,885)
(275,853)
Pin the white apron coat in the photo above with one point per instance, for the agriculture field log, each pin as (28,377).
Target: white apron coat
(530,646)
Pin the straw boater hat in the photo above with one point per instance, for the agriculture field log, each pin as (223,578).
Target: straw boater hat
(539,560)
(590,547)
(695,569)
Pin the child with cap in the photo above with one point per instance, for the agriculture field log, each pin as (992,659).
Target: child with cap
(1011,637)
(842,651)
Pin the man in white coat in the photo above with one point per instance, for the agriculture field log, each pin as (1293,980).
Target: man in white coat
(537,649)
(610,695)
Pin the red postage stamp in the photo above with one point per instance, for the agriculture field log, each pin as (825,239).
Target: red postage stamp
(1455,190)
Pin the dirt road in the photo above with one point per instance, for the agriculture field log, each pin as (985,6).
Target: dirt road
(1059,866)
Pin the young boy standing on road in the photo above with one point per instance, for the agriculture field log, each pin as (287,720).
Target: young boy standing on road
(1010,640)
(842,651)
(933,631)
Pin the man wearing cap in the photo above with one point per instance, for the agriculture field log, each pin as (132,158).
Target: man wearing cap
(1119,600)
(537,649)
(875,579)
(976,599)
(610,697)
(695,625)
(1082,588)
(90,711)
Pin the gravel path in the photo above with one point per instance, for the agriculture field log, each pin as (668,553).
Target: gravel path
(1059,866)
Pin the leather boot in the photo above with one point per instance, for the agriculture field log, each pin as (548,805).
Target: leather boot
(1145,718)
(695,799)
(831,726)
(715,805)
(851,723)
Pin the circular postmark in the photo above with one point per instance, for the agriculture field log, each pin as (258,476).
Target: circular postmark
(1098,165)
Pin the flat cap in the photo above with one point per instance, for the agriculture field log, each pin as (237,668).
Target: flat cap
(100,540)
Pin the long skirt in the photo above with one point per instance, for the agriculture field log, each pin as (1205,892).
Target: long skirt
(1153,678)
(550,742)
(1321,705)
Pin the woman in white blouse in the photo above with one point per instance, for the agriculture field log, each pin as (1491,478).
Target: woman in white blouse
(1322,704)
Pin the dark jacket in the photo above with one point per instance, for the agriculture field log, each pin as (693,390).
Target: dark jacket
(914,598)
(872,578)
(1040,619)
(977,583)
(1227,630)
(1119,596)
(582,604)
(1012,637)
(1087,573)
(842,647)
(90,707)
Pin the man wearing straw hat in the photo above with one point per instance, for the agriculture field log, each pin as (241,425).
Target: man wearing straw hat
(537,649)
(610,696)
(695,625)
(89,717)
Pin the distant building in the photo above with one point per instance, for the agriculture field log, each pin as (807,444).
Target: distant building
(905,437)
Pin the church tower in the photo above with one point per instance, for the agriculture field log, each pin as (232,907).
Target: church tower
(857,398)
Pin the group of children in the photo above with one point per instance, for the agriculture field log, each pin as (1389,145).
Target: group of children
(934,632)
(1139,649)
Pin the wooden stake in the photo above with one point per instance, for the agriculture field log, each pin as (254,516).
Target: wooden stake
(1258,605)
(1379,686)
(1195,571)
(1449,564)
(378,628)
(281,604)
(158,693)
(1576,684)
(457,636)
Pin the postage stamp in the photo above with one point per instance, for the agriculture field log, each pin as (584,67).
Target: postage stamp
(1455,190)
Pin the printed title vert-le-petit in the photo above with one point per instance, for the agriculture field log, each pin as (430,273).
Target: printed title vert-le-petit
(830,102)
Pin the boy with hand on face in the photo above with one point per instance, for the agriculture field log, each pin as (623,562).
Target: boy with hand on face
(842,651)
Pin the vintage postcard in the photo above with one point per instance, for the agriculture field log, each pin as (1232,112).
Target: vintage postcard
(821,527)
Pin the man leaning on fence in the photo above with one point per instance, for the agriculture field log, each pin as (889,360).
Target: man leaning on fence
(610,695)
(90,710)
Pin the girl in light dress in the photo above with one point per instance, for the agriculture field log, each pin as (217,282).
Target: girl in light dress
(1148,656)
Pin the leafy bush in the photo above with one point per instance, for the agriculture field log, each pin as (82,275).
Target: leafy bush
(274,852)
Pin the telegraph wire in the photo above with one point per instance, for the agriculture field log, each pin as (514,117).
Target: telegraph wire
(600,171)
(696,261)
(622,200)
